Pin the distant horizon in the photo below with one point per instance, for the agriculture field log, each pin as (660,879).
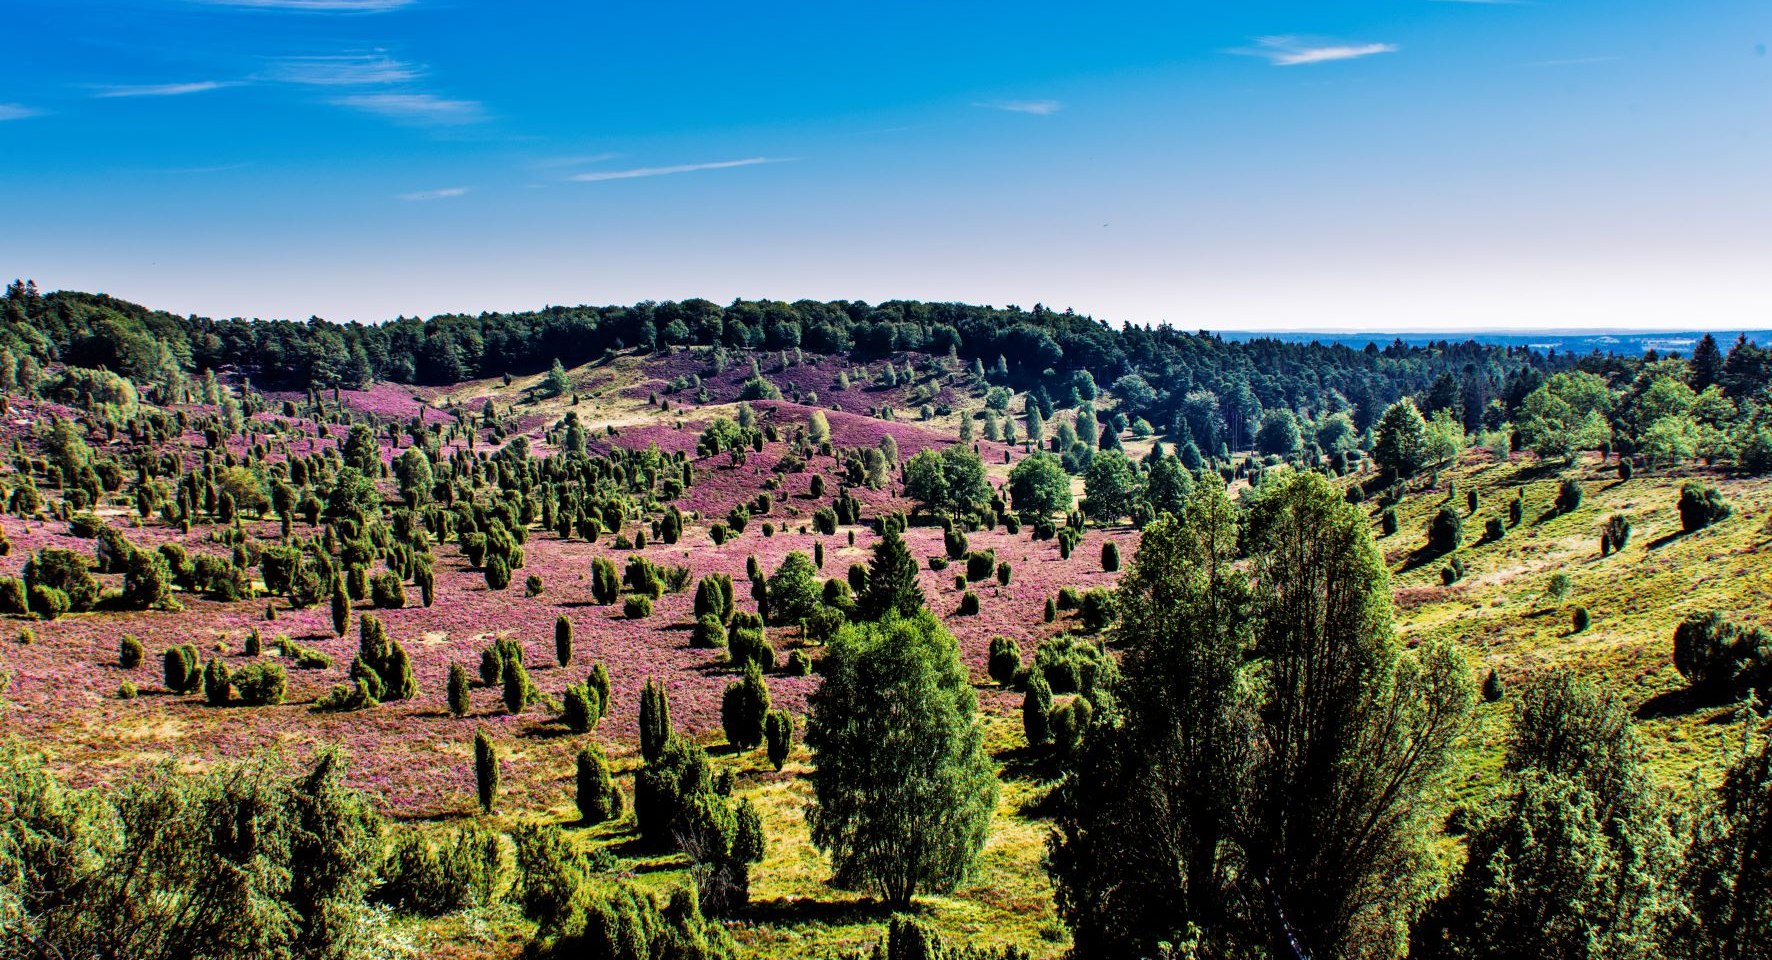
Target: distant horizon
(1285,332)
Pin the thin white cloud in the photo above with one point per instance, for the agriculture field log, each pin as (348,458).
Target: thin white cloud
(17,111)
(597,176)
(443,194)
(344,70)
(1039,108)
(416,107)
(313,6)
(160,89)
(1296,51)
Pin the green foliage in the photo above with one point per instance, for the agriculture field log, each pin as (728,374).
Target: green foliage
(1110,489)
(485,771)
(1577,859)
(579,708)
(744,708)
(1400,447)
(129,652)
(460,701)
(598,799)
(793,589)
(621,922)
(563,641)
(240,861)
(1039,487)
(904,795)
(1005,660)
(433,876)
(261,684)
(605,581)
(1234,677)
(1722,659)
(891,585)
(655,721)
(778,736)
(1446,533)
(1700,506)
(1568,496)
(1036,711)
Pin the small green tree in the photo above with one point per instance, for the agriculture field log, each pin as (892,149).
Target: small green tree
(903,795)
(778,735)
(598,798)
(563,641)
(744,708)
(459,700)
(485,771)
(655,721)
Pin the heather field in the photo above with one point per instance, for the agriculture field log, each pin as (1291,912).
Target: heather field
(415,757)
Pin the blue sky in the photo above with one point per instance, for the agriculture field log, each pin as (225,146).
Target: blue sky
(1406,164)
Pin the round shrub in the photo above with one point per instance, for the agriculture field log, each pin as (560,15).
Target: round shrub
(709,633)
(1004,573)
(1005,660)
(1624,468)
(1110,556)
(261,684)
(1388,521)
(1569,496)
(1581,619)
(968,604)
(1494,529)
(532,586)
(129,652)
(637,608)
(578,709)
(1446,533)
(1493,690)
(1700,506)
(799,664)
(48,603)
(386,591)
(750,645)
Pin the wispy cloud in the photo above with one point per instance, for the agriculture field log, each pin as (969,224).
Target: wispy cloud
(160,89)
(16,111)
(1039,108)
(443,194)
(313,6)
(344,70)
(1297,51)
(416,107)
(596,176)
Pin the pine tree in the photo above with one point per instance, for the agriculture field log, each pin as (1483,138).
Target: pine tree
(892,585)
